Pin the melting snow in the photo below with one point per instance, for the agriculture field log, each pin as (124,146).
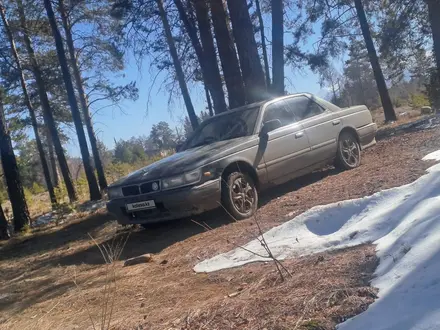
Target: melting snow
(403,222)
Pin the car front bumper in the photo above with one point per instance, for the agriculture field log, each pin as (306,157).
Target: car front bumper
(170,205)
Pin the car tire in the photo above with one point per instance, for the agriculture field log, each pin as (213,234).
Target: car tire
(239,195)
(348,155)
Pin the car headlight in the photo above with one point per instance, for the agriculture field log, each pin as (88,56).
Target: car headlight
(181,180)
(115,192)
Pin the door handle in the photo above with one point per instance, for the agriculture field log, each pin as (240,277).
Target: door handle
(336,122)
(299,135)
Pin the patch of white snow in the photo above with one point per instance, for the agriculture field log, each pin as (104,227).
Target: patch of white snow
(432,156)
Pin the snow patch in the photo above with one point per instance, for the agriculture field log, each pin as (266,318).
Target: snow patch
(404,222)
(432,156)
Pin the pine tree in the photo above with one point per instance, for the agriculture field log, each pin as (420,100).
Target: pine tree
(388,108)
(434,88)
(4,232)
(228,55)
(45,104)
(202,15)
(242,28)
(207,59)
(82,95)
(177,65)
(12,175)
(29,105)
(263,43)
(278,47)
(88,168)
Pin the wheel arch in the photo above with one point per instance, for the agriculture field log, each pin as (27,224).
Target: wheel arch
(243,167)
(351,130)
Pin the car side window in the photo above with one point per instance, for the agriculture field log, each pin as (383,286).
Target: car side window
(302,107)
(279,110)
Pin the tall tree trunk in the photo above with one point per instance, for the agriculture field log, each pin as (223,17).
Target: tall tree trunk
(177,66)
(263,44)
(95,194)
(12,175)
(333,89)
(47,111)
(4,232)
(82,96)
(434,18)
(29,105)
(388,109)
(278,47)
(209,68)
(202,15)
(52,161)
(228,55)
(208,100)
(243,31)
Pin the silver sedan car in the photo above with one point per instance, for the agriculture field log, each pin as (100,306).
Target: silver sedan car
(231,157)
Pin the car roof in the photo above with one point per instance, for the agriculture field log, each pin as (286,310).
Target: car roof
(258,104)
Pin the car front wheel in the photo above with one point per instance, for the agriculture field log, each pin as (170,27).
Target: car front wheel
(239,195)
(349,151)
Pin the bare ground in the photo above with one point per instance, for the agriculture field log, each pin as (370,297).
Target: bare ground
(37,271)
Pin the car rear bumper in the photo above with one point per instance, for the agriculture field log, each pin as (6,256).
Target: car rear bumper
(170,205)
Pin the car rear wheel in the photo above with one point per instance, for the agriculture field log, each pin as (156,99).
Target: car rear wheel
(239,195)
(349,151)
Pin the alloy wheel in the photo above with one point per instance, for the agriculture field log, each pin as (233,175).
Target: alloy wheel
(242,195)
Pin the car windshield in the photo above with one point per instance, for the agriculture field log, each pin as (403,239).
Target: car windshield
(229,126)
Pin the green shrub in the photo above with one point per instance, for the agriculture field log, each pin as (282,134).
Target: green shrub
(62,210)
(26,229)
(397,102)
(82,187)
(117,170)
(418,100)
(37,189)
(28,194)
(60,193)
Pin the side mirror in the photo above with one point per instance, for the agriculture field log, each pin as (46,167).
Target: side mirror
(269,126)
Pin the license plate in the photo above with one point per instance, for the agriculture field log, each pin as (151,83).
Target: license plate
(145,205)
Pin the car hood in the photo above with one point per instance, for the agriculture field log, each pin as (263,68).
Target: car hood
(187,160)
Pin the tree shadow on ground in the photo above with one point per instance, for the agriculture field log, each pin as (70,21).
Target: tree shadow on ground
(44,241)
(47,290)
(151,240)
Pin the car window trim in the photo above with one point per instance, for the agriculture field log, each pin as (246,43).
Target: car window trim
(264,108)
(259,123)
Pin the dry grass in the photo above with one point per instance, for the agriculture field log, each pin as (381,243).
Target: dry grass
(36,272)
(326,289)
(404,115)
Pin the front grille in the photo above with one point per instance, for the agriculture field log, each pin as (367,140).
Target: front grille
(144,188)
(130,190)
(148,187)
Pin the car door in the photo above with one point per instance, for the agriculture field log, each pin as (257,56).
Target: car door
(321,126)
(286,146)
